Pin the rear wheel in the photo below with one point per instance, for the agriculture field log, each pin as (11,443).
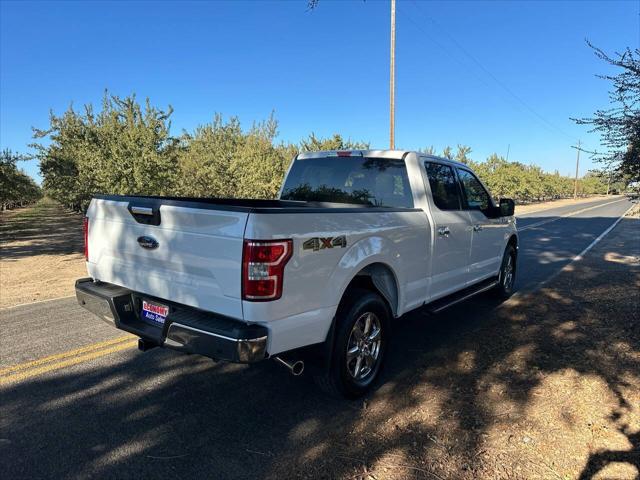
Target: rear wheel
(359,346)
(507,275)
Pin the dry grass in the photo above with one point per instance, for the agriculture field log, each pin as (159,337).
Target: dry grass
(40,253)
(635,211)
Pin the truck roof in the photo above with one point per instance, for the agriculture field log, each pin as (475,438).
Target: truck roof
(393,154)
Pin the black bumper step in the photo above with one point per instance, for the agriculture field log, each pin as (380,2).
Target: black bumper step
(185,329)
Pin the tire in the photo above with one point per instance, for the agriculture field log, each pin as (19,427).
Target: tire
(507,274)
(357,358)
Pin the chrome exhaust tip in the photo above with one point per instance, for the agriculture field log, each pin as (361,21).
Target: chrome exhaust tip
(296,368)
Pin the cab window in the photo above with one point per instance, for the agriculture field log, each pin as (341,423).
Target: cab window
(380,182)
(444,187)
(475,196)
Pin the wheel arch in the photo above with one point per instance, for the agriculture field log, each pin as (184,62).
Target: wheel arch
(379,278)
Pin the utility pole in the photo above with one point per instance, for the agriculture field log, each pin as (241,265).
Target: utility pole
(575,186)
(508,148)
(392,80)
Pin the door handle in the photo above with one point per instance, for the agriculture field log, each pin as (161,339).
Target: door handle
(477,227)
(141,210)
(444,231)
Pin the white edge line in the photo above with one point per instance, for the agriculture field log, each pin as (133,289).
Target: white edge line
(34,303)
(575,259)
(581,255)
(558,206)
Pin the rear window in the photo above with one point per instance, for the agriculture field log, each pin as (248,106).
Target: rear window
(379,182)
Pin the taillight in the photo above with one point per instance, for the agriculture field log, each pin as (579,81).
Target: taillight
(85,234)
(263,263)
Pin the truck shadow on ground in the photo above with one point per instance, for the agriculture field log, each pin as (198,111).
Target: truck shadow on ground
(482,390)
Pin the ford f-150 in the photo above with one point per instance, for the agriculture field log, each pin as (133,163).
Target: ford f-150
(316,277)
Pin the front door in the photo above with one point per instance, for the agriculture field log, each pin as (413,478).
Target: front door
(452,242)
(488,240)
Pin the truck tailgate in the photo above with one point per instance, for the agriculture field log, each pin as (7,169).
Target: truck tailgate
(193,256)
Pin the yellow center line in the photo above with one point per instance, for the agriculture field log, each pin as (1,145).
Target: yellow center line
(127,340)
(25,374)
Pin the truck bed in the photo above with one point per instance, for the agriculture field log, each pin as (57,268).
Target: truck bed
(246,205)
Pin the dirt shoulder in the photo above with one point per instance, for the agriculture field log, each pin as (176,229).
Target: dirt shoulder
(545,386)
(537,207)
(40,253)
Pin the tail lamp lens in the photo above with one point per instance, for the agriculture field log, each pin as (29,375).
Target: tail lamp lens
(263,265)
(85,234)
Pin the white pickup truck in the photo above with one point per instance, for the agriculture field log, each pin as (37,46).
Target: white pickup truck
(357,239)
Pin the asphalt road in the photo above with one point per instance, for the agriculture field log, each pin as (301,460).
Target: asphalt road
(83,402)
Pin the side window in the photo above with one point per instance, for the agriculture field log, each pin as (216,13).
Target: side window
(476,196)
(444,188)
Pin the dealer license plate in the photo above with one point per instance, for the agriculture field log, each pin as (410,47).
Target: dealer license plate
(154,313)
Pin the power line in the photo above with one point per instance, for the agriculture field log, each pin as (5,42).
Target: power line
(547,123)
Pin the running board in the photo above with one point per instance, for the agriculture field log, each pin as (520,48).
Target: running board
(450,300)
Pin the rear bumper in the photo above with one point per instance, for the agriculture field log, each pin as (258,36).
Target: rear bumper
(186,329)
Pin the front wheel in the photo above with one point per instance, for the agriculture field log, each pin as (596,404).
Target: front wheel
(507,274)
(362,328)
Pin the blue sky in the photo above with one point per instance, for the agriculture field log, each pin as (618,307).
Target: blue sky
(485,74)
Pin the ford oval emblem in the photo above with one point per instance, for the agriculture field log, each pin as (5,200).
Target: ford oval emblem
(148,242)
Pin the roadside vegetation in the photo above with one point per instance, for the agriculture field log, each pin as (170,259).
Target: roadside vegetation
(127,148)
(619,124)
(17,189)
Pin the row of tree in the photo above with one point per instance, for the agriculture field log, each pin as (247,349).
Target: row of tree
(17,189)
(127,148)
(527,183)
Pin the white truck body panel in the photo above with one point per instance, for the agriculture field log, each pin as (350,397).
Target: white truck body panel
(197,262)
(314,281)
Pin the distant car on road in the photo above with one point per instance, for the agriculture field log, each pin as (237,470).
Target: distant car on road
(356,239)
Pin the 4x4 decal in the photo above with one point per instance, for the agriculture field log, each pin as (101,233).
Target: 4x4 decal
(320,243)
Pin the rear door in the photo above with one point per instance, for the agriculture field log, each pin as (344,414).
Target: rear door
(452,225)
(488,238)
(186,252)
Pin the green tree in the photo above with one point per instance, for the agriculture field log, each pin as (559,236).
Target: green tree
(336,142)
(619,125)
(123,149)
(462,155)
(16,187)
(430,150)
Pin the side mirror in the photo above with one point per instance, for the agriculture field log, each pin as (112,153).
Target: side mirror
(507,207)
